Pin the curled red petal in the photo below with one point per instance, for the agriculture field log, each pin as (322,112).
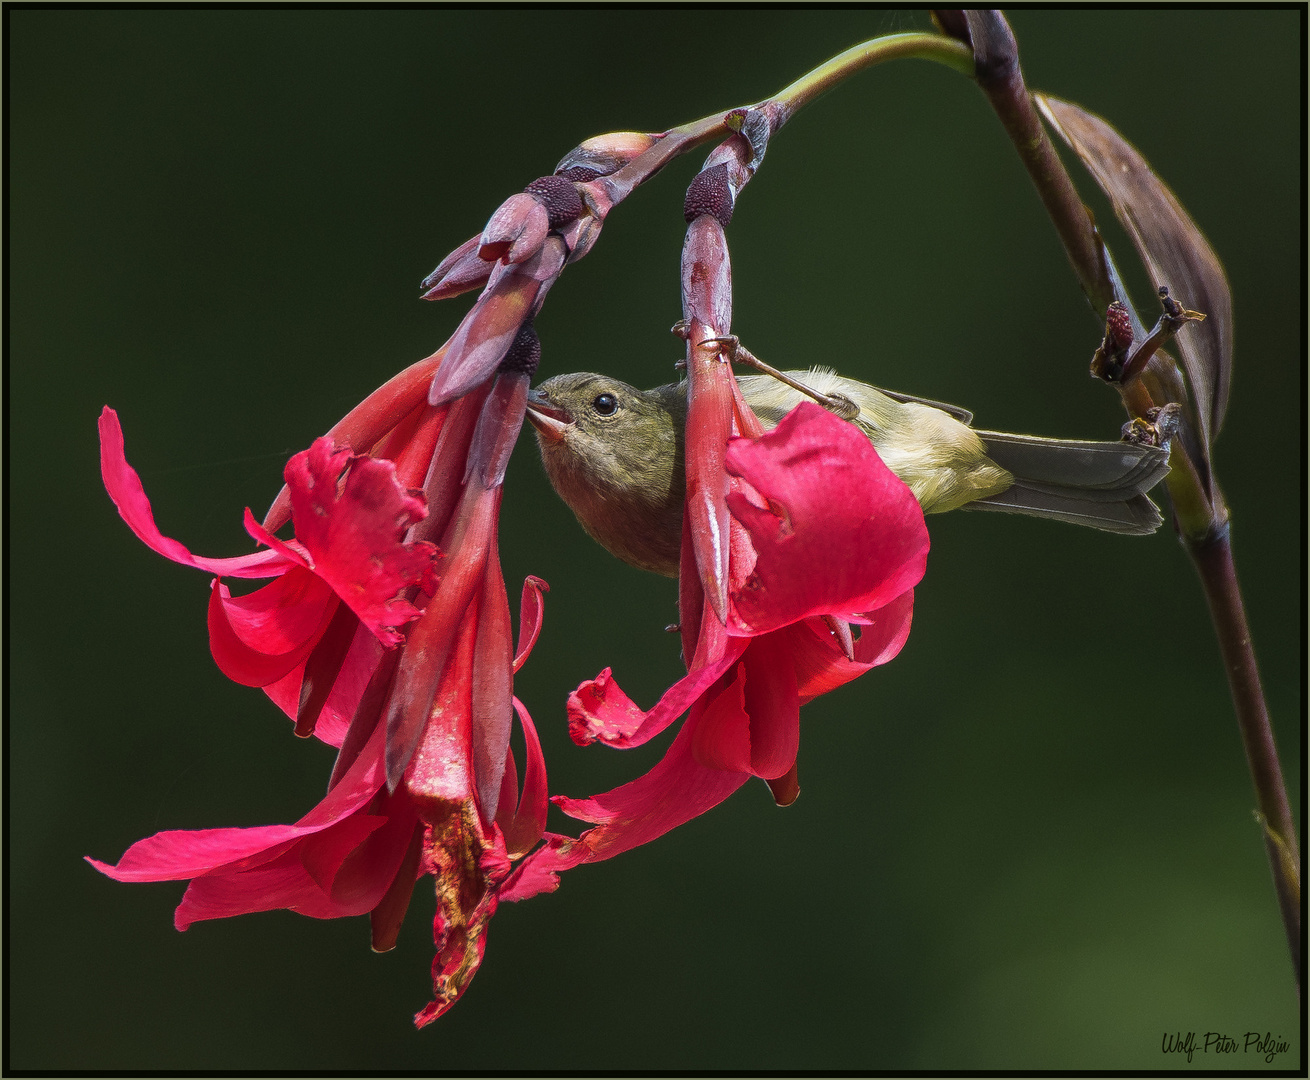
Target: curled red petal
(177,853)
(124,487)
(721,733)
(355,535)
(526,825)
(532,608)
(841,535)
(599,709)
(429,641)
(258,638)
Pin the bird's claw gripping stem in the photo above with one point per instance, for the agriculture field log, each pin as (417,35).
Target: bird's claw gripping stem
(737,353)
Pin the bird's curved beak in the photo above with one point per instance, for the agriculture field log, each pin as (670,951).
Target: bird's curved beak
(548,418)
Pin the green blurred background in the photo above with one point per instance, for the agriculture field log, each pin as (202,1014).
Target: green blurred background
(1026,843)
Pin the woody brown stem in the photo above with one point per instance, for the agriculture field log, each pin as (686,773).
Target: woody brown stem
(1200,514)
(1214,562)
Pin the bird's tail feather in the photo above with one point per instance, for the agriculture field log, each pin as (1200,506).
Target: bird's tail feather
(1099,484)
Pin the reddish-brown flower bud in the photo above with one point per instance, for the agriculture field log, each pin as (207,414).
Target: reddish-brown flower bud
(603,155)
(516,230)
(463,269)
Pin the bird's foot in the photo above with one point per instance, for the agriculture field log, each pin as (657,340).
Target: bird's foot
(737,353)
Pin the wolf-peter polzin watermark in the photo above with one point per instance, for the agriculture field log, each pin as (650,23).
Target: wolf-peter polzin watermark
(1268,1045)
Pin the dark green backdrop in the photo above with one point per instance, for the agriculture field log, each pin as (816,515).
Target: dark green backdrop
(1027,842)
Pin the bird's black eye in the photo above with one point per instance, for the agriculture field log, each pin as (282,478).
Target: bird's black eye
(605,404)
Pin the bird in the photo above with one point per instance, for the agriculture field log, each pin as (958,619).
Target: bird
(614,454)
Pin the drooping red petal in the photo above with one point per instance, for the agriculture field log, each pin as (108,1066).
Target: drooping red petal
(676,790)
(385,919)
(356,536)
(430,639)
(176,854)
(330,726)
(440,772)
(124,487)
(285,882)
(258,638)
(841,534)
(532,608)
(772,705)
(322,667)
(493,687)
(721,734)
(526,825)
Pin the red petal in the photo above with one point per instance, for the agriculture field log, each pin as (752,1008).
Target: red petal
(598,709)
(124,487)
(819,662)
(385,919)
(525,827)
(721,735)
(531,610)
(360,663)
(356,536)
(773,706)
(440,772)
(258,638)
(322,667)
(842,536)
(678,789)
(365,424)
(493,687)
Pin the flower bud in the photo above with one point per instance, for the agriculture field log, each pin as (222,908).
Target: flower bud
(603,155)
(516,230)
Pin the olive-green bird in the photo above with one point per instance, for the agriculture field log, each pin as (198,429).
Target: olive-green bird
(615,456)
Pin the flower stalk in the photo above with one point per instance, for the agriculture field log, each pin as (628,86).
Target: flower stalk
(1200,514)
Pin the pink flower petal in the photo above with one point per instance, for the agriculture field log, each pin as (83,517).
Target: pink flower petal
(258,638)
(124,487)
(599,709)
(174,854)
(842,534)
(531,610)
(773,706)
(493,687)
(676,790)
(526,825)
(365,424)
(818,660)
(721,735)
(356,536)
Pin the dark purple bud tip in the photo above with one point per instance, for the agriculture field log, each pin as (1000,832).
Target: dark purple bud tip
(525,354)
(559,197)
(709,194)
(1119,326)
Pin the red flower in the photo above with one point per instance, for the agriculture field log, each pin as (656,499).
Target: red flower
(362,848)
(828,530)
(433,789)
(788,538)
